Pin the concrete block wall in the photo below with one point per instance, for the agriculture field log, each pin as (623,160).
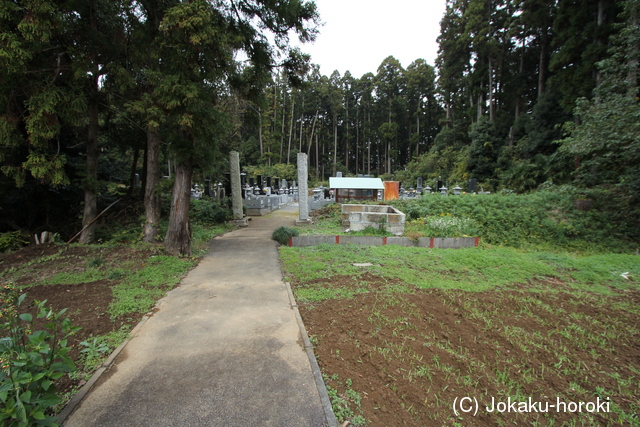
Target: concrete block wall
(423,242)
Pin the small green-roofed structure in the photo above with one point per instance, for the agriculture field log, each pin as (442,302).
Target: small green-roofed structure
(355,188)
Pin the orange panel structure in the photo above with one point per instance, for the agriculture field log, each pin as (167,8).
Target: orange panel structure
(391,190)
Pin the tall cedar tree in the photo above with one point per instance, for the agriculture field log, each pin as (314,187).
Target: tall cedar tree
(199,41)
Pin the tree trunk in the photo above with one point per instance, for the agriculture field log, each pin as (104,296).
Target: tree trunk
(369,144)
(599,22)
(542,72)
(134,166)
(313,128)
(293,103)
(490,91)
(357,141)
(301,134)
(275,119)
(346,139)
(418,131)
(511,142)
(143,178)
(284,119)
(260,132)
(91,180)
(151,196)
(480,102)
(335,144)
(178,238)
(388,157)
(323,162)
(632,74)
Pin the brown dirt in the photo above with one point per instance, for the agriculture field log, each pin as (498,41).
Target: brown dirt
(86,303)
(380,340)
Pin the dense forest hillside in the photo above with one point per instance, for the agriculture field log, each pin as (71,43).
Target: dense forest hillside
(523,93)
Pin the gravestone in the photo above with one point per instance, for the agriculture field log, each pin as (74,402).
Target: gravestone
(419,185)
(473,183)
(207,187)
(236,189)
(303,190)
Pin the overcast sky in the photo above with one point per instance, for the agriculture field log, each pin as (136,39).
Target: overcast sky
(358,35)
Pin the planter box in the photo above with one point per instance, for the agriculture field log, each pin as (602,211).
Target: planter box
(358,217)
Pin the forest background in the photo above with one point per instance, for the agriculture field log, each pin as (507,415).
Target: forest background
(524,93)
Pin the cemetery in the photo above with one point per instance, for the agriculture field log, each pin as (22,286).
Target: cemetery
(398,323)
(410,294)
(199,225)
(425,314)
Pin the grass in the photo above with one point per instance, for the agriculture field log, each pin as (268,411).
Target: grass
(138,292)
(543,220)
(554,327)
(136,274)
(472,269)
(141,275)
(346,405)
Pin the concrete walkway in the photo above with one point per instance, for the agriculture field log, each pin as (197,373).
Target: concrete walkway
(223,349)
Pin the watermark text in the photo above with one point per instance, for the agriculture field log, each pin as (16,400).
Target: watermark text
(470,405)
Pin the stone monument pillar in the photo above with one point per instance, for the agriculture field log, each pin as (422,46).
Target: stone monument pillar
(236,190)
(303,190)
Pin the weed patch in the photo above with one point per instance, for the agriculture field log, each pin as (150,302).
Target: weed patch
(421,327)
(283,234)
(138,292)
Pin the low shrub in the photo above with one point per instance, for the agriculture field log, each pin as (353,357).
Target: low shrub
(31,361)
(547,218)
(283,234)
(209,212)
(370,230)
(12,240)
(449,226)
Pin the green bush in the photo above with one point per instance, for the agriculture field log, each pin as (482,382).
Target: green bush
(93,353)
(12,240)
(31,361)
(209,212)
(370,230)
(283,234)
(547,218)
(448,226)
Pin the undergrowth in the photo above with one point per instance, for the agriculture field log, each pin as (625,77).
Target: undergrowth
(31,360)
(283,234)
(544,218)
